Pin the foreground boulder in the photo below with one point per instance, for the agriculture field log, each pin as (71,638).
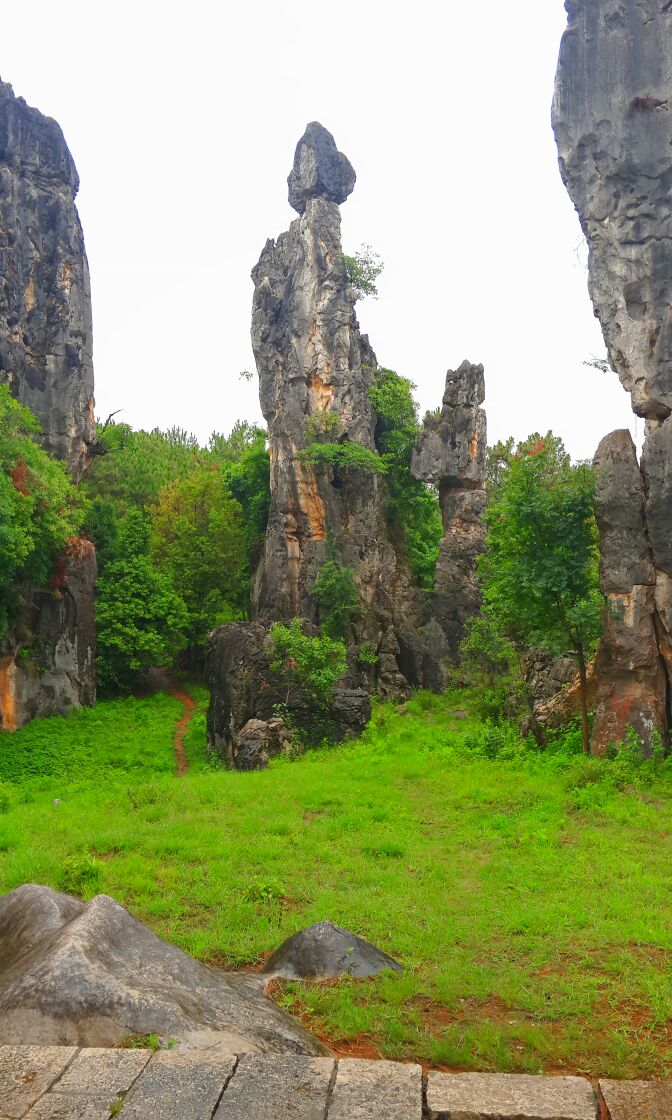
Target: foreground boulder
(88,974)
(326,950)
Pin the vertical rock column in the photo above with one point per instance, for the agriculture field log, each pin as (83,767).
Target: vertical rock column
(629,676)
(45,359)
(451,455)
(45,298)
(612,117)
(315,373)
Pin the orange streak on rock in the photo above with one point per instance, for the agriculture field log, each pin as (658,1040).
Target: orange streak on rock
(8,694)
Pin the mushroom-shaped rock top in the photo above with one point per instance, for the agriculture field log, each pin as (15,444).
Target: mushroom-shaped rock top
(320,170)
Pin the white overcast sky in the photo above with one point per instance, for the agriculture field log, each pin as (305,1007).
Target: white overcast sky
(183,119)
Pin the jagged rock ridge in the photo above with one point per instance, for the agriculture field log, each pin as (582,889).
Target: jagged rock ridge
(612,116)
(45,359)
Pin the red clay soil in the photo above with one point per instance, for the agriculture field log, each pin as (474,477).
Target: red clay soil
(181,726)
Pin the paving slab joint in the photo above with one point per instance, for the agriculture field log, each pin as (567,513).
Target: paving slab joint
(50,1087)
(225,1086)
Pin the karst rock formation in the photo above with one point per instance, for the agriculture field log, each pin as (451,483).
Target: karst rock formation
(612,117)
(45,359)
(451,455)
(316,371)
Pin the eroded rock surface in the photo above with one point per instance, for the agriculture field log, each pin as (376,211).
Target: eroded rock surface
(243,726)
(327,950)
(45,300)
(88,974)
(629,674)
(451,455)
(612,116)
(56,671)
(320,170)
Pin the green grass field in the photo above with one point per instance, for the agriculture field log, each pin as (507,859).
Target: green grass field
(528,895)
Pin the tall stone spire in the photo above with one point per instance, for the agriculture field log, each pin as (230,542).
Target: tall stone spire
(612,116)
(45,297)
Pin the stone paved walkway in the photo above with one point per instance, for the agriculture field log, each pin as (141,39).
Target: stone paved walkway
(67,1083)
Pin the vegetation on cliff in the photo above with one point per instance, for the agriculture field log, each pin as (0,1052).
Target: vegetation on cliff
(39,508)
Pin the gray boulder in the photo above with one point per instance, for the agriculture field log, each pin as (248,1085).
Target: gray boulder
(325,950)
(320,170)
(88,974)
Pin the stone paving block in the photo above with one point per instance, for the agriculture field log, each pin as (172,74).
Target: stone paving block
(103,1073)
(637,1100)
(26,1072)
(365,1090)
(509,1096)
(69,1106)
(178,1085)
(282,1086)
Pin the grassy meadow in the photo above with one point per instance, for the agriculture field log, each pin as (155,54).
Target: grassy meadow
(527,894)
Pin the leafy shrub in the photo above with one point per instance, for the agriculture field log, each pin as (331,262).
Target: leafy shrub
(39,507)
(413,506)
(80,874)
(305,664)
(497,740)
(7,797)
(362,271)
(345,456)
(336,593)
(264,891)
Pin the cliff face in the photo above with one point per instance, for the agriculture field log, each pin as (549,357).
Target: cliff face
(451,455)
(45,301)
(612,116)
(47,665)
(629,674)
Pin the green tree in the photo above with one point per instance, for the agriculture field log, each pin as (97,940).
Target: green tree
(141,620)
(540,569)
(303,664)
(363,270)
(413,507)
(39,507)
(197,537)
(335,591)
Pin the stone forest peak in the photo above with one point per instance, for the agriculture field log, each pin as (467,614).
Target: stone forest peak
(319,170)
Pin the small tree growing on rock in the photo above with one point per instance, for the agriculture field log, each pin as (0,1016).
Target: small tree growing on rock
(313,666)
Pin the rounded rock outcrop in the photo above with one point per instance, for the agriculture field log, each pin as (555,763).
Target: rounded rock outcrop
(320,170)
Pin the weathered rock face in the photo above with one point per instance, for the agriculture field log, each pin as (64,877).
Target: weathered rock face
(451,455)
(56,671)
(320,170)
(326,950)
(88,974)
(45,301)
(612,116)
(629,676)
(243,727)
(45,359)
